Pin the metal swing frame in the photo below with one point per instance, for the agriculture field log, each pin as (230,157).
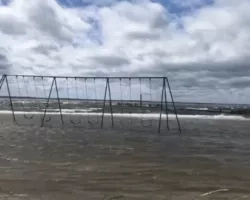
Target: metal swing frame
(97,121)
(19,90)
(107,99)
(122,102)
(49,118)
(54,83)
(71,120)
(141,106)
(130,98)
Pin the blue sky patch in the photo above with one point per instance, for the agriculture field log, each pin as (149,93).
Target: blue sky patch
(171,5)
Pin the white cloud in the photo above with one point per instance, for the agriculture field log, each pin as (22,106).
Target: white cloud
(141,37)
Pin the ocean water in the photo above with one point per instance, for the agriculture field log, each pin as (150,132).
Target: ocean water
(208,160)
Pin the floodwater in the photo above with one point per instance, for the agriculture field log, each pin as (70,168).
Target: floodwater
(93,164)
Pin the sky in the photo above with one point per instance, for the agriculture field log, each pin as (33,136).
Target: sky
(202,46)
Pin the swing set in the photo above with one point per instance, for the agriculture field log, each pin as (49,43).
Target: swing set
(97,121)
(133,101)
(20,94)
(68,102)
(76,87)
(141,107)
(141,104)
(122,101)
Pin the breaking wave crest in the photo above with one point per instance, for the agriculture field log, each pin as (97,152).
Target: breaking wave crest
(133,115)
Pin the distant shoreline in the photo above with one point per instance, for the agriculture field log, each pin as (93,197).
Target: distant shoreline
(120,100)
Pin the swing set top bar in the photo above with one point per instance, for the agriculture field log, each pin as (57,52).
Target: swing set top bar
(91,77)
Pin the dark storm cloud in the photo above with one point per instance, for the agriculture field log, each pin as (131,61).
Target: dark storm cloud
(143,36)
(45,49)
(4,64)
(109,60)
(160,21)
(230,70)
(218,70)
(11,25)
(204,76)
(239,83)
(45,19)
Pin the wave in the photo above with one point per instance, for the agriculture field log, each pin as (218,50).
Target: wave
(73,110)
(138,115)
(191,108)
(215,117)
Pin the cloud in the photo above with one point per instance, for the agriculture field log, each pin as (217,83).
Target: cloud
(109,60)
(4,63)
(203,49)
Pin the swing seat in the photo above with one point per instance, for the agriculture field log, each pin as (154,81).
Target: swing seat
(90,122)
(68,89)
(73,122)
(20,94)
(28,117)
(49,119)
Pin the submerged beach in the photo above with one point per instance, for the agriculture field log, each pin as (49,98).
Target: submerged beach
(124,100)
(70,162)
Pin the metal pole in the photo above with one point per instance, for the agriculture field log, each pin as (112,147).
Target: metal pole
(110,103)
(58,100)
(179,126)
(163,86)
(90,77)
(47,104)
(10,99)
(1,81)
(166,103)
(104,102)
(140,100)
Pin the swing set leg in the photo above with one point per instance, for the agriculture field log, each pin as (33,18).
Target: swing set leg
(10,99)
(107,88)
(162,93)
(47,103)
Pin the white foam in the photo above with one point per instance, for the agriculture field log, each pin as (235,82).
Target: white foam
(190,108)
(137,115)
(215,117)
(73,110)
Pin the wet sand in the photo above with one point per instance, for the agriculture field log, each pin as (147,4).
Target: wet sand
(56,162)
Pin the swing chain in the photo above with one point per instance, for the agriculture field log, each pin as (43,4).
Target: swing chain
(44,88)
(49,118)
(77,95)
(35,86)
(19,89)
(142,121)
(71,121)
(95,94)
